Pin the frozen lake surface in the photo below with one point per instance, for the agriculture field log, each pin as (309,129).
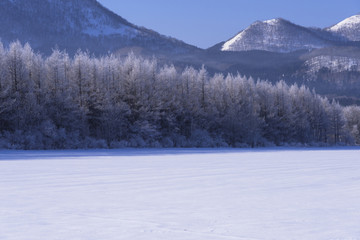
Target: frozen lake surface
(180,194)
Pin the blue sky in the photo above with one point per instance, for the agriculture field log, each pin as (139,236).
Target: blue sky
(206,22)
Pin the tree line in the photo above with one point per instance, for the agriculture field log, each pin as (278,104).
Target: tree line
(62,102)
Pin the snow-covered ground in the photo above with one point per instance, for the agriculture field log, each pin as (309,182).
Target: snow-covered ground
(180,194)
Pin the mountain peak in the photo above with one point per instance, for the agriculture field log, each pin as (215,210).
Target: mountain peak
(271,22)
(275,21)
(348,28)
(276,35)
(347,23)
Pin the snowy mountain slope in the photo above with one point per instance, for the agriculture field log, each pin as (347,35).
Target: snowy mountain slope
(75,24)
(333,64)
(350,22)
(348,28)
(278,35)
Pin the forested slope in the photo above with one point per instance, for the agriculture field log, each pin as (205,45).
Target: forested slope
(87,102)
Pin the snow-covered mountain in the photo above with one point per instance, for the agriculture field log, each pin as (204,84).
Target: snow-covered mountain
(278,35)
(75,24)
(349,28)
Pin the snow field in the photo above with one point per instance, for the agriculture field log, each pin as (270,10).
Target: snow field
(180,194)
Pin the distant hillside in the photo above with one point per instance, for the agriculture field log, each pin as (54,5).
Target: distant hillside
(280,35)
(75,24)
(348,28)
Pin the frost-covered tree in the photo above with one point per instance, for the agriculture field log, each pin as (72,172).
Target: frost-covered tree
(336,122)
(352,116)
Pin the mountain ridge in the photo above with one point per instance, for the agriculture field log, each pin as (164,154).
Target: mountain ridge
(281,35)
(88,25)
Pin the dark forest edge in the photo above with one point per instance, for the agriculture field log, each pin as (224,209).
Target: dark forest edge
(60,102)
